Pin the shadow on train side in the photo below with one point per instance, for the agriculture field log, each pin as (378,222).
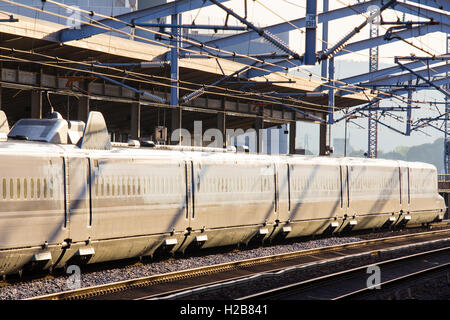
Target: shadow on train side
(94,134)
(163,249)
(345,228)
(380,203)
(300,202)
(79,199)
(95,137)
(283,187)
(259,238)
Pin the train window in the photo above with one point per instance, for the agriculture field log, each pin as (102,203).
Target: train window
(108,185)
(166,185)
(18,188)
(96,187)
(139,186)
(32,188)
(103,187)
(25,189)
(144,185)
(38,188)
(129,186)
(51,187)
(4,188)
(150,185)
(45,188)
(149,188)
(124,187)
(113,184)
(11,188)
(134,186)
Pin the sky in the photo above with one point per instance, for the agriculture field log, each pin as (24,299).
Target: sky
(263,13)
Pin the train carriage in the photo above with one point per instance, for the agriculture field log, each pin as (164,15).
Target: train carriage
(67,194)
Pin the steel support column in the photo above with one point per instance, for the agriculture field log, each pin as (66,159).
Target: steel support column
(324,63)
(221,125)
(409,111)
(292,137)
(83,108)
(83,103)
(259,128)
(135,131)
(175,76)
(447,119)
(372,148)
(310,37)
(323,137)
(36,104)
(330,99)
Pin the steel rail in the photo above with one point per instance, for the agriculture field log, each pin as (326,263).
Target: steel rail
(338,285)
(396,281)
(84,293)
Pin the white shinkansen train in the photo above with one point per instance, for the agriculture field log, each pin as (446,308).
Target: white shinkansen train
(68,194)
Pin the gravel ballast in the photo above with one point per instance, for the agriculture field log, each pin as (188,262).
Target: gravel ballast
(63,282)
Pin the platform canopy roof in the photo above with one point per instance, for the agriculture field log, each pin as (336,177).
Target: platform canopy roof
(38,40)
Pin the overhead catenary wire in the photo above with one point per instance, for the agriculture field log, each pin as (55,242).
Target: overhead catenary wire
(297,28)
(213,48)
(264,101)
(128,73)
(112,29)
(249,95)
(253,67)
(227,89)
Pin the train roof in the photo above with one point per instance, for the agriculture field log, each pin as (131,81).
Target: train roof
(41,149)
(56,136)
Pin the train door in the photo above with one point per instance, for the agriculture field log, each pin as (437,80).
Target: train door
(282,199)
(192,182)
(404,188)
(78,198)
(344,191)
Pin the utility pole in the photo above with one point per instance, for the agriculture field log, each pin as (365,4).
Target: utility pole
(373,110)
(447,119)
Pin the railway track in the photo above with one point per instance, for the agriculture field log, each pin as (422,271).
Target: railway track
(354,283)
(37,276)
(183,284)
